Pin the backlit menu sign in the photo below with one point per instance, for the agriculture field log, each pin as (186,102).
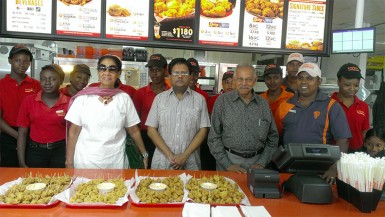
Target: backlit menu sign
(219,22)
(127,19)
(78,18)
(263,24)
(306,25)
(174,21)
(29,16)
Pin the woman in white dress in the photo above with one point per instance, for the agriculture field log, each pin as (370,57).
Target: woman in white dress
(99,119)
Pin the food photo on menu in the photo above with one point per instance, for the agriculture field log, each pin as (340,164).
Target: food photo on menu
(75,2)
(265,8)
(217,8)
(116,10)
(174,20)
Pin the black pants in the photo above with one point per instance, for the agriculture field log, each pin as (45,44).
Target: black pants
(39,157)
(207,159)
(8,151)
(150,147)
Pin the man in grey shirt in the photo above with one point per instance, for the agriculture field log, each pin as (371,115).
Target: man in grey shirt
(243,133)
(178,122)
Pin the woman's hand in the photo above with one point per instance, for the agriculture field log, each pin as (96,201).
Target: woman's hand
(145,163)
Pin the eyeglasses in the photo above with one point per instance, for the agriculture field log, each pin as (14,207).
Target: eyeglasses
(112,68)
(248,80)
(183,73)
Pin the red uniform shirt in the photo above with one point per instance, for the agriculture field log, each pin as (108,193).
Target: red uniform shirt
(64,90)
(143,99)
(274,105)
(12,94)
(45,124)
(358,119)
(203,93)
(126,88)
(211,102)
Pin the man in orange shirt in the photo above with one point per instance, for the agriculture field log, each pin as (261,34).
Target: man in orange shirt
(276,92)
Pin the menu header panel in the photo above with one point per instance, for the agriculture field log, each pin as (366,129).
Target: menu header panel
(306,25)
(29,16)
(219,22)
(127,19)
(174,20)
(78,17)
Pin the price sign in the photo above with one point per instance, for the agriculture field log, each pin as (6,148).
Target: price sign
(183,32)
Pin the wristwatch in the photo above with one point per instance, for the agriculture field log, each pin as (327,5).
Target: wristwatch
(145,155)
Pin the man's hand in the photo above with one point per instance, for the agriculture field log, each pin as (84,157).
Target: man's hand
(257,166)
(236,168)
(178,161)
(330,175)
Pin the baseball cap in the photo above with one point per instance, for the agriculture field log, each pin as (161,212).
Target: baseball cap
(82,68)
(349,71)
(194,65)
(295,56)
(272,69)
(228,74)
(310,68)
(18,49)
(157,60)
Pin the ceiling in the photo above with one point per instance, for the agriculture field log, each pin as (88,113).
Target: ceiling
(344,13)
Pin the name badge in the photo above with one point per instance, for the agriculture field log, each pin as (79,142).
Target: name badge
(292,111)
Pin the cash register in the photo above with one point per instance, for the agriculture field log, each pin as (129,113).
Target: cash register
(307,162)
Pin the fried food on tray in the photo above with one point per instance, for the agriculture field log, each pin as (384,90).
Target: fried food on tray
(75,2)
(218,9)
(173,192)
(88,192)
(174,8)
(265,8)
(18,194)
(225,193)
(118,11)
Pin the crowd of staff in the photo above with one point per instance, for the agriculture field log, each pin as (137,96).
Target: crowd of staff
(88,126)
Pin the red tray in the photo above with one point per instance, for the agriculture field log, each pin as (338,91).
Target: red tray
(181,204)
(29,206)
(93,206)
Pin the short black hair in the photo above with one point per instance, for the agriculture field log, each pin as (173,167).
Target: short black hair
(377,132)
(179,61)
(55,68)
(116,59)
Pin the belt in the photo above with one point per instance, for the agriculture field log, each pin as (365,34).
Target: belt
(49,145)
(245,155)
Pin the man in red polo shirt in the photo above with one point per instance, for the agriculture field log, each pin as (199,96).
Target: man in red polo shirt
(227,84)
(195,76)
(356,110)
(14,87)
(144,97)
(79,77)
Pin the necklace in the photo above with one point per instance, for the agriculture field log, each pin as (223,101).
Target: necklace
(105,99)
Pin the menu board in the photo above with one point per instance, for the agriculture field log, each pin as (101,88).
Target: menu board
(78,17)
(174,20)
(262,26)
(29,16)
(306,25)
(219,22)
(127,19)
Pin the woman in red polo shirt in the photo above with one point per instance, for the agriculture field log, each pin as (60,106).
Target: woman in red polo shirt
(356,110)
(42,114)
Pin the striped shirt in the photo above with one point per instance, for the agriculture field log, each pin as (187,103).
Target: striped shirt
(177,122)
(242,127)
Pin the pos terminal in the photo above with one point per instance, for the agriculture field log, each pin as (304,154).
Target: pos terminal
(307,162)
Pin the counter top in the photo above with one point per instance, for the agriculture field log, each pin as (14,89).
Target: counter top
(288,205)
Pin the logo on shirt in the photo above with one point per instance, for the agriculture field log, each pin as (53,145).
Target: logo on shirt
(29,90)
(316,114)
(60,113)
(360,112)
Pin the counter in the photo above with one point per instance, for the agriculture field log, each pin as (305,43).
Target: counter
(288,205)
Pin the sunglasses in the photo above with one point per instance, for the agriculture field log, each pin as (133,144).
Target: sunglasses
(112,68)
